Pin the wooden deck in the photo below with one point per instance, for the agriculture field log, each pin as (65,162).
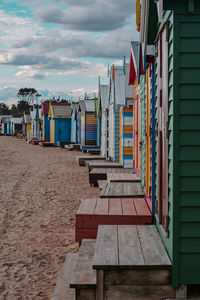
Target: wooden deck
(132,246)
(94,212)
(101,174)
(121,177)
(62,290)
(101,183)
(101,164)
(122,189)
(73,147)
(82,159)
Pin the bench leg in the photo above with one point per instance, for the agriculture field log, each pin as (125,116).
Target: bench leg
(100,285)
(181,292)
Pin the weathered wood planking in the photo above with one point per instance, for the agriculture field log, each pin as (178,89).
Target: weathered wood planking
(82,159)
(139,292)
(106,250)
(143,251)
(101,164)
(122,189)
(62,290)
(84,276)
(106,211)
(101,174)
(101,183)
(120,177)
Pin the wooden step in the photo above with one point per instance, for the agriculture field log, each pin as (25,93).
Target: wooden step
(101,174)
(94,151)
(62,290)
(101,164)
(101,183)
(122,189)
(82,159)
(123,177)
(83,278)
(132,263)
(124,211)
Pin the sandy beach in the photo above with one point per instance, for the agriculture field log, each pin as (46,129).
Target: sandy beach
(40,191)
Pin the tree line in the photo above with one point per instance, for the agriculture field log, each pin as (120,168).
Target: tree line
(27,97)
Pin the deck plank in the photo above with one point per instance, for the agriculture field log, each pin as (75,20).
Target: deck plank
(83,275)
(62,290)
(106,250)
(128,207)
(102,207)
(130,251)
(141,207)
(122,189)
(89,206)
(115,207)
(152,247)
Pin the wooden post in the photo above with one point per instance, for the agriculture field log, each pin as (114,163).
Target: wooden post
(100,285)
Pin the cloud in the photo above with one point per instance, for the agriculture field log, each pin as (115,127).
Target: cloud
(97,15)
(27,72)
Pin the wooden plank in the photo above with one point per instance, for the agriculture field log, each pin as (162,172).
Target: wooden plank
(80,206)
(102,207)
(106,251)
(115,207)
(130,251)
(89,206)
(101,183)
(139,292)
(138,277)
(123,177)
(141,207)
(83,275)
(128,207)
(62,290)
(121,189)
(152,247)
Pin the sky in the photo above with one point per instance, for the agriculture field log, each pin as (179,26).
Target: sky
(60,47)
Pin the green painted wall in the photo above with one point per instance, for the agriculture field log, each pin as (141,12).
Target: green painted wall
(183,240)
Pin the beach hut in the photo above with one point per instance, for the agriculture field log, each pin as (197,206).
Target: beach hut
(45,121)
(173,28)
(88,124)
(75,123)
(36,124)
(60,123)
(103,117)
(126,123)
(3,123)
(15,125)
(26,126)
(116,98)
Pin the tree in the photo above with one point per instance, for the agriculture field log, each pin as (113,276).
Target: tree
(23,106)
(4,109)
(30,95)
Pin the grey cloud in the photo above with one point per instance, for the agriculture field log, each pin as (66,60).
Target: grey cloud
(98,16)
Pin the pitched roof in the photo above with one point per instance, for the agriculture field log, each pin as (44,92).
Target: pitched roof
(104,96)
(63,111)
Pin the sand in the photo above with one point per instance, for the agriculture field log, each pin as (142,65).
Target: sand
(40,191)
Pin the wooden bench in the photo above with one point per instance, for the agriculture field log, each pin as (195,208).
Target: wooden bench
(132,263)
(62,290)
(82,159)
(83,278)
(101,164)
(101,174)
(94,212)
(122,189)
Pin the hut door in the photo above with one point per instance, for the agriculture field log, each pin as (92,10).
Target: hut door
(162,128)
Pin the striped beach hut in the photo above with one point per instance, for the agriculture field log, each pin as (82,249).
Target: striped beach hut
(126,123)
(88,124)
(26,120)
(60,123)
(15,125)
